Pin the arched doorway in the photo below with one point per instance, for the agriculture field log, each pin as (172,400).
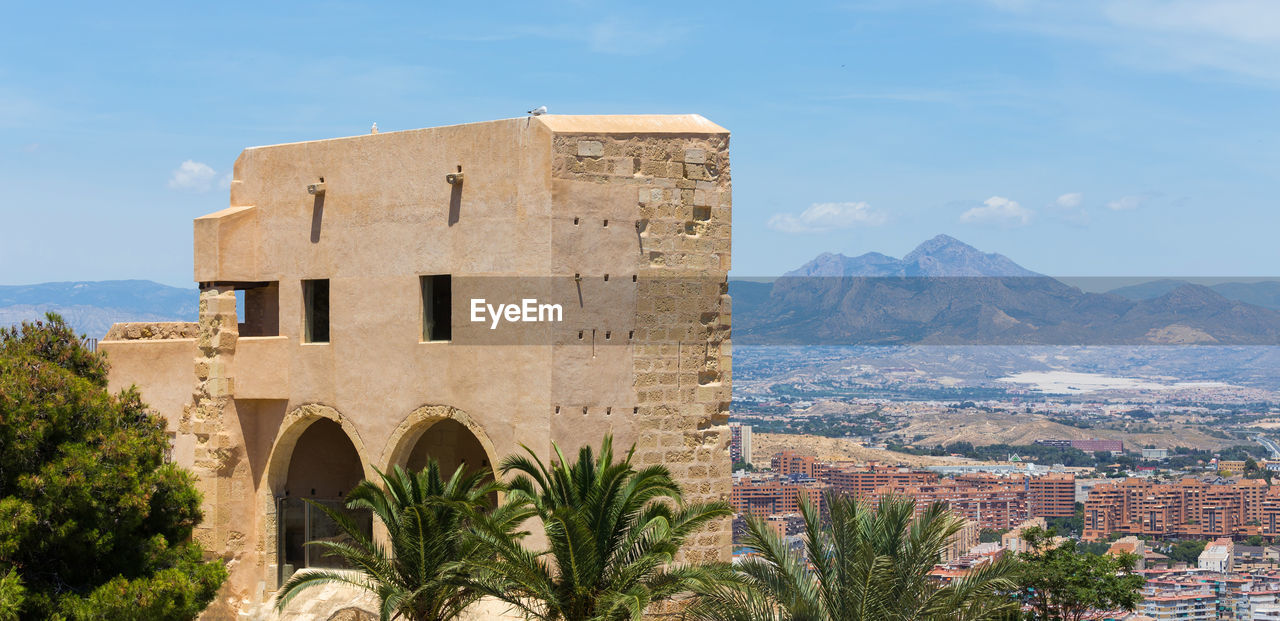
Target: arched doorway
(451,444)
(323,466)
(443,433)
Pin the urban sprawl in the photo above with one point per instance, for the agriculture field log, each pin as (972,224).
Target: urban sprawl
(1234,575)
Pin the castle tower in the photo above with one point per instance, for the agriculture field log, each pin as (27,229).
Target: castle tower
(338,305)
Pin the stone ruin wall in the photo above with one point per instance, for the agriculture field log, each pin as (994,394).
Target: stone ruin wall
(681,350)
(219,459)
(152,331)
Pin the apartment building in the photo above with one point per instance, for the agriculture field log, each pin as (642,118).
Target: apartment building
(988,500)
(767,495)
(1188,508)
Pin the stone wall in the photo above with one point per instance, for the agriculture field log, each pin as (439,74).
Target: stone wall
(681,348)
(152,331)
(208,426)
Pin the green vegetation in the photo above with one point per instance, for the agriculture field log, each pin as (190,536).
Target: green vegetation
(94,524)
(612,531)
(426,517)
(1179,458)
(1096,547)
(11,595)
(1038,453)
(869,564)
(1060,582)
(837,388)
(990,535)
(1183,457)
(831,426)
(1186,551)
(1073,525)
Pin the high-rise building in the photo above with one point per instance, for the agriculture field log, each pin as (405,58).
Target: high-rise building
(740,443)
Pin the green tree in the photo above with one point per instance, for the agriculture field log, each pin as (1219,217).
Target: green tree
(870,564)
(612,536)
(1061,583)
(421,577)
(93,521)
(1073,525)
(11,595)
(1187,551)
(991,535)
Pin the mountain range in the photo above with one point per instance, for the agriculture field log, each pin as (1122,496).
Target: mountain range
(946,292)
(942,292)
(1264,293)
(942,256)
(92,306)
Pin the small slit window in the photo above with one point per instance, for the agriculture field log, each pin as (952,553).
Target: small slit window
(437,307)
(315,302)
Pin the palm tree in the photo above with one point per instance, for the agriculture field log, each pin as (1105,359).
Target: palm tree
(869,565)
(612,536)
(420,577)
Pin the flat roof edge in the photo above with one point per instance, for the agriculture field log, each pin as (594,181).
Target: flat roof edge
(568,124)
(630,124)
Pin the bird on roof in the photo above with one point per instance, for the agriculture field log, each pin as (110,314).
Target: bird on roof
(375,128)
(539,111)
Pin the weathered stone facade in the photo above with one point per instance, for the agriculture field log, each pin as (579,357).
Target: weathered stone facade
(681,350)
(624,219)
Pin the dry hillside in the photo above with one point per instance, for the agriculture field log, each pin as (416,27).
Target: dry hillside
(1005,428)
(765,445)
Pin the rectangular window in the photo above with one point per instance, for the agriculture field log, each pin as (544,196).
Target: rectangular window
(437,307)
(315,302)
(260,308)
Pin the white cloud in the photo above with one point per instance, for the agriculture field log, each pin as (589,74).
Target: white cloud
(998,210)
(821,217)
(192,176)
(1239,20)
(1239,38)
(1125,203)
(633,35)
(1070,200)
(1069,207)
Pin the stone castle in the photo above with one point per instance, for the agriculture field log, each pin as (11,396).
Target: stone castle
(336,331)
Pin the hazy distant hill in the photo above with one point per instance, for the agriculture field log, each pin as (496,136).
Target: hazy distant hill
(947,292)
(941,256)
(91,307)
(943,292)
(1264,293)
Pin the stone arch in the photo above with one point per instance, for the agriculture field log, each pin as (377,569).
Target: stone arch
(291,429)
(408,435)
(275,476)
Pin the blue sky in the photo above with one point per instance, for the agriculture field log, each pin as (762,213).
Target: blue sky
(1081,138)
